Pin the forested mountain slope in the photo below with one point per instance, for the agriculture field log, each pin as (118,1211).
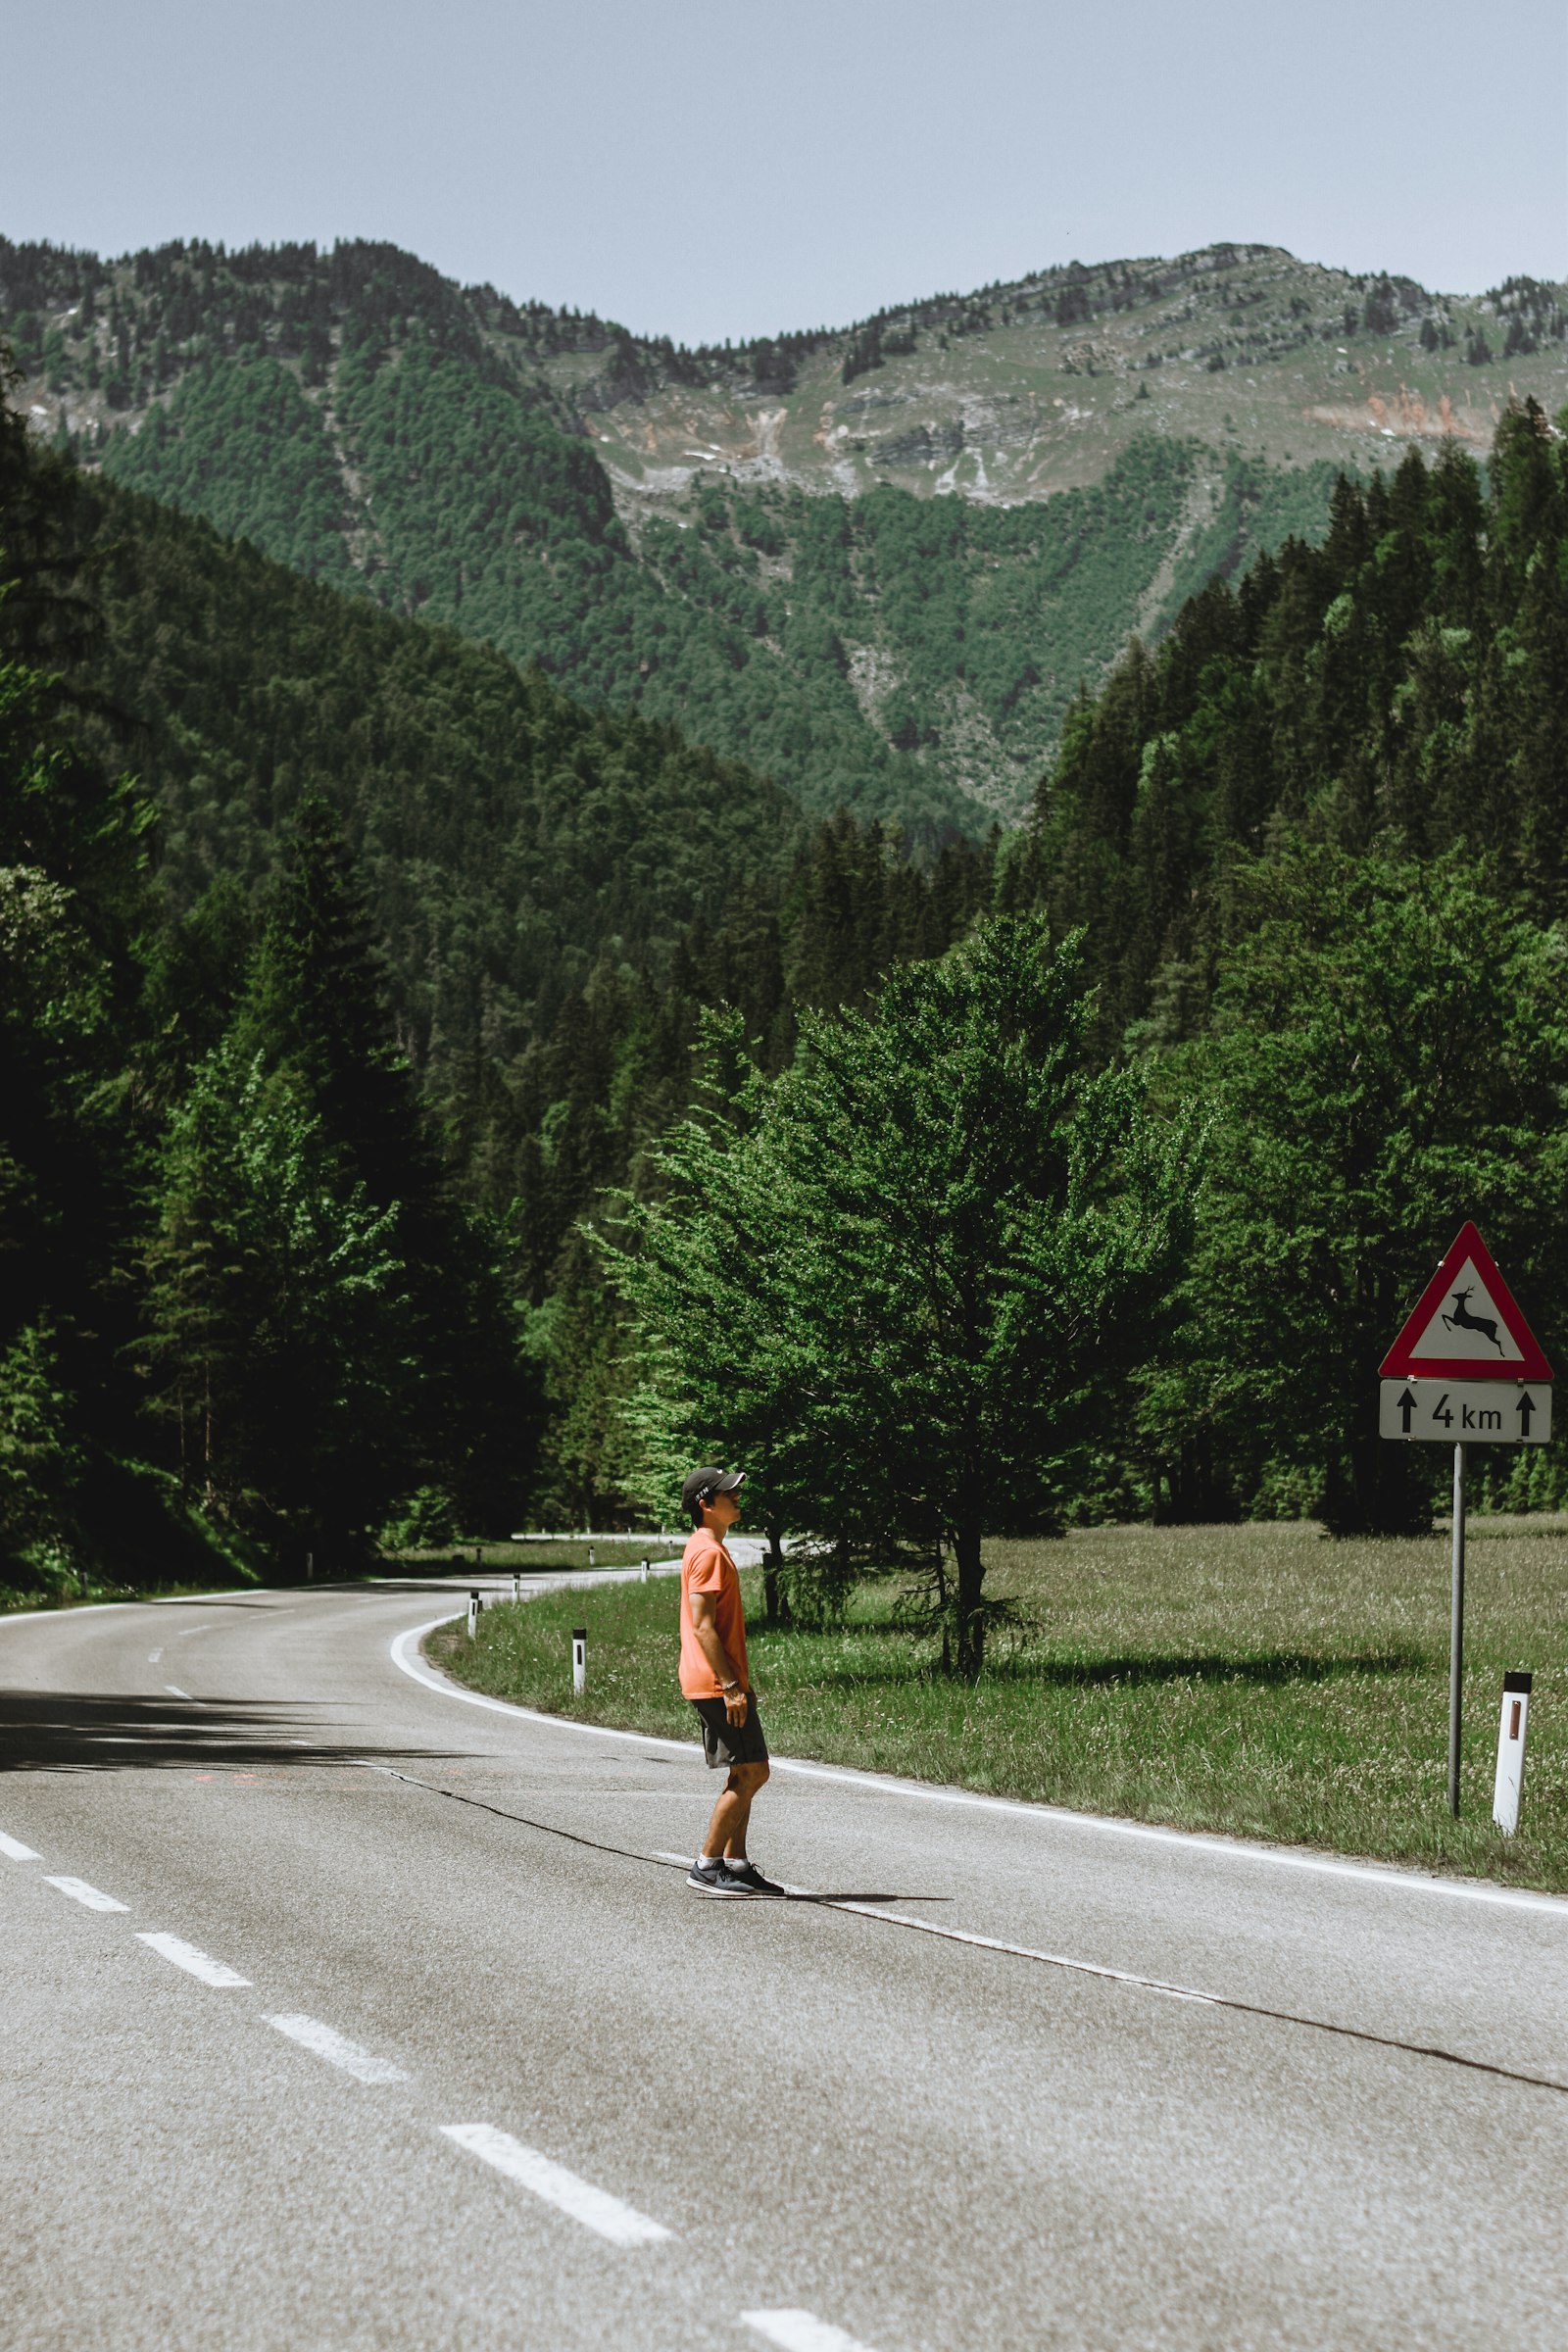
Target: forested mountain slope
(1314,839)
(1405,683)
(323,1026)
(507,838)
(756,543)
(1318,844)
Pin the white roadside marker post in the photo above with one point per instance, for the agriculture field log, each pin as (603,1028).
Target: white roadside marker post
(1511,1752)
(591,1560)
(579,1657)
(644,1577)
(516,1584)
(475,1604)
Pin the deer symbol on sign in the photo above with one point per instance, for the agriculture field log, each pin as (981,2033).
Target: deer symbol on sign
(1462,1319)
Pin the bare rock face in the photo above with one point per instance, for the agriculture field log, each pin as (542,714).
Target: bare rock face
(924,445)
(1090,357)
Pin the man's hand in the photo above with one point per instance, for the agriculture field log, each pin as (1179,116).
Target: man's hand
(736,1703)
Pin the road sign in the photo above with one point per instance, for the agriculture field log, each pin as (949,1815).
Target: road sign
(1443,1384)
(1466,1325)
(1465,1413)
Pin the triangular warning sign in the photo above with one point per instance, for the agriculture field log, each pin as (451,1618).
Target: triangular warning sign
(1466,1325)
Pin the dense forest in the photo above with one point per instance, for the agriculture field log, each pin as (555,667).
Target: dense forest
(348,969)
(1317,846)
(343,906)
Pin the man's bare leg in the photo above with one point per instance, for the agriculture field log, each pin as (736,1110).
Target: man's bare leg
(726,1832)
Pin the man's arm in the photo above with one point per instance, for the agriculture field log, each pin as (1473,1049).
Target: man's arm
(704,1624)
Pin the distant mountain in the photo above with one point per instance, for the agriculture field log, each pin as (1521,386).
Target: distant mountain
(876,563)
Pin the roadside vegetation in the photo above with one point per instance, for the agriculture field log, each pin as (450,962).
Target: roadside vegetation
(1259,1680)
(432,1108)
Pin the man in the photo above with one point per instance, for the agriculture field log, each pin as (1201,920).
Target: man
(715,1677)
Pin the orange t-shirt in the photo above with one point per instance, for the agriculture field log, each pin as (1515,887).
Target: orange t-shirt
(706,1567)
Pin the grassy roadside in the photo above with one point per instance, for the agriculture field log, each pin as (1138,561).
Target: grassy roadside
(1256,1680)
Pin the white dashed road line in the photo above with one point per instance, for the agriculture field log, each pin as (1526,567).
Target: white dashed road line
(153,1656)
(195,1963)
(595,2208)
(14,1852)
(337,2049)
(801,2332)
(92,1898)
(175,1691)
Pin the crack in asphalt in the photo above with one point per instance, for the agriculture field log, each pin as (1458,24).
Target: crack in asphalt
(865,1907)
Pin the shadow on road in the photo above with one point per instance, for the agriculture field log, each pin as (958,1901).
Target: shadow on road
(68,1731)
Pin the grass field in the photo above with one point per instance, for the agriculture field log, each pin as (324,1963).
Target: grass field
(1257,1680)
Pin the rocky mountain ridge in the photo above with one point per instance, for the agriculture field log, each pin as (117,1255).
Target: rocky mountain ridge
(877,562)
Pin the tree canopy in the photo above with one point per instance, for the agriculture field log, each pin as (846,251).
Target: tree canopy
(915,1270)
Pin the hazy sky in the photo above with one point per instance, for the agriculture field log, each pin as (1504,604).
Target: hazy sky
(709,168)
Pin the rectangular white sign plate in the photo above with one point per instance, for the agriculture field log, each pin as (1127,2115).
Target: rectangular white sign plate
(1471,1413)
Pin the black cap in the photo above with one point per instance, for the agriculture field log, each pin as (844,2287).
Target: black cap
(701,1486)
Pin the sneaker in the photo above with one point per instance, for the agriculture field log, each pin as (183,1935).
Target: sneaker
(716,1877)
(749,1875)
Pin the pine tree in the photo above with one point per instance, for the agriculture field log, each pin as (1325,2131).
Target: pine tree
(315,1010)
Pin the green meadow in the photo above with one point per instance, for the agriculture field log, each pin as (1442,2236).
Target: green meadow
(1262,1681)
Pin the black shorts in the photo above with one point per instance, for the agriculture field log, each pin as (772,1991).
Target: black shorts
(725,1742)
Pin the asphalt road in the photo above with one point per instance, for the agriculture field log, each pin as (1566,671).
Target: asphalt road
(492,2076)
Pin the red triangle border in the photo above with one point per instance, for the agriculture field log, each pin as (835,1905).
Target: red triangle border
(1398,1364)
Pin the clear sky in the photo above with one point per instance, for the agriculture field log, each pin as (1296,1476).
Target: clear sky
(718,168)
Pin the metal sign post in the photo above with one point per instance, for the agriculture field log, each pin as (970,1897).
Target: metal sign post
(1457,1632)
(1465,1369)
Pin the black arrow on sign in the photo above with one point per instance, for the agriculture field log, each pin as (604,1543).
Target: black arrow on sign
(1527,1406)
(1406,1404)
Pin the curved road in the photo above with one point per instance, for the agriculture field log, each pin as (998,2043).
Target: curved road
(342,2012)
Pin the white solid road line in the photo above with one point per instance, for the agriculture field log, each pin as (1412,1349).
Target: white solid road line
(92,1898)
(338,2050)
(595,2208)
(994,1943)
(195,1963)
(801,2332)
(403,1653)
(14,1852)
